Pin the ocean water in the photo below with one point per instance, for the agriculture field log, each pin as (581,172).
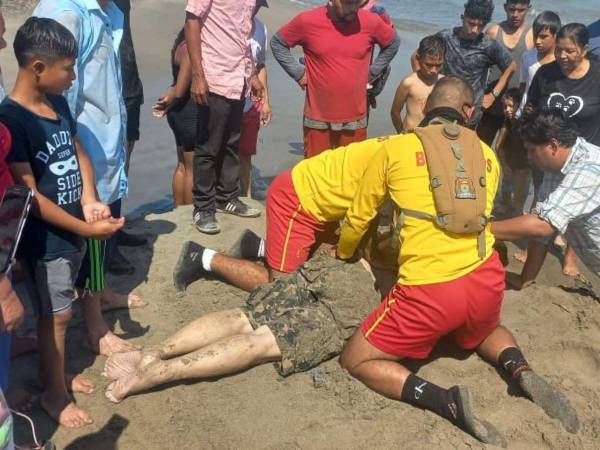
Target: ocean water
(433,15)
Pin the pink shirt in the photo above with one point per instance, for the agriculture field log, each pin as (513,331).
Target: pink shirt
(226,54)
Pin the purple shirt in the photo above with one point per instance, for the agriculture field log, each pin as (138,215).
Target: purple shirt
(226,54)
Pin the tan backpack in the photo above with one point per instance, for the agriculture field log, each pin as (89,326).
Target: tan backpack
(456,167)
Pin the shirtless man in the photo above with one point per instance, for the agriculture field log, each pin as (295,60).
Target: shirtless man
(415,88)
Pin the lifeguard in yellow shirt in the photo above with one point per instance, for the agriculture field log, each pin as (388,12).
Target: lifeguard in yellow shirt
(449,283)
(303,204)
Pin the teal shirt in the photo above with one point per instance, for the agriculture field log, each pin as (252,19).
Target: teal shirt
(96,97)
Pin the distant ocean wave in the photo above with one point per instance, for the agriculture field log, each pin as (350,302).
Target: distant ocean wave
(426,16)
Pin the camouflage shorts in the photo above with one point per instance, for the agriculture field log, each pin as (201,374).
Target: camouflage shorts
(304,328)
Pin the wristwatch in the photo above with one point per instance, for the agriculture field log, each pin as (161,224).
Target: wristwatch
(495,93)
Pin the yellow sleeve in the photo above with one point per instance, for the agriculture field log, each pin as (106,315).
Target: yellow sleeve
(369,196)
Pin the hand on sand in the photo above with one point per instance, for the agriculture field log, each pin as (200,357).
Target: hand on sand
(65,411)
(551,400)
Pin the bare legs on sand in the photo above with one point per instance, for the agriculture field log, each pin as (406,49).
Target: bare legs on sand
(214,345)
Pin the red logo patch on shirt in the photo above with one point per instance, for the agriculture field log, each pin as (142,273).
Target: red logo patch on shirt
(421,160)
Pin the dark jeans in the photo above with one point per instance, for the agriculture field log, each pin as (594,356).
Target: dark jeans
(216,161)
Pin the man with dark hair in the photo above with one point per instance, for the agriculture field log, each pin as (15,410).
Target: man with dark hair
(415,88)
(470,54)
(569,199)
(514,34)
(449,282)
(338,40)
(217,34)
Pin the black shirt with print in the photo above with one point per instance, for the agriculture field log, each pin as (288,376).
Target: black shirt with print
(579,99)
(47,145)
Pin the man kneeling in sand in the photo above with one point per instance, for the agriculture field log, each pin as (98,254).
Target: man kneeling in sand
(297,321)
(451,281)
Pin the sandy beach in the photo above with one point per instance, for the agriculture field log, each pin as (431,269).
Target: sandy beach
(559,331)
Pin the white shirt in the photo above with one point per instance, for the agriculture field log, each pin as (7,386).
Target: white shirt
(529,67)
(258,45)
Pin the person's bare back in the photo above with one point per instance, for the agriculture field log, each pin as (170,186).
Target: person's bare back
(412,93)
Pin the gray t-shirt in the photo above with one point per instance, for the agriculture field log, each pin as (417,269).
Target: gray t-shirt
(472,59)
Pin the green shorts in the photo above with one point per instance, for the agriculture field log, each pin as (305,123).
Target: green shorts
(93,266)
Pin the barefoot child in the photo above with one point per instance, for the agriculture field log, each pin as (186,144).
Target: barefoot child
(47,157)
(415,88)
(513,156)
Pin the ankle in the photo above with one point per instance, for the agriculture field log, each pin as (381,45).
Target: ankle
(512,362)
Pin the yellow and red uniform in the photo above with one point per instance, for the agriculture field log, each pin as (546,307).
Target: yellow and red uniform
(441,274)
(302,200)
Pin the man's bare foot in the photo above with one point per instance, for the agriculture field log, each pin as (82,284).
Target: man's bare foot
(122,387)
(112,300)
(79,384)
(65,411)
(111,343)
(120,364)
(521,256)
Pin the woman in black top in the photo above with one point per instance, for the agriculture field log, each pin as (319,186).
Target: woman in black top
(572,84)
(182,114)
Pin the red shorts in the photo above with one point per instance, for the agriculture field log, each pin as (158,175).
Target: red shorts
(291,232)
(411,319)
(249,130)
(317,141)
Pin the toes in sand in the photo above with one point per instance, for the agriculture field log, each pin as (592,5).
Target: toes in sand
(66,412)
(79,384)
(123,301)
(111,343)
(120,388)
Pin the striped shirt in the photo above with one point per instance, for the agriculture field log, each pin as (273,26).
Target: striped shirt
(570,202)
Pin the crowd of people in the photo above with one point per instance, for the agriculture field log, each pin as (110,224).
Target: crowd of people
(485,110)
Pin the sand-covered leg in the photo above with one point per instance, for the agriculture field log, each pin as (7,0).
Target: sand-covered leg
(225,357)
(551,400)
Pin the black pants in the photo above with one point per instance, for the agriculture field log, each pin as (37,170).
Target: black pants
(216,161)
